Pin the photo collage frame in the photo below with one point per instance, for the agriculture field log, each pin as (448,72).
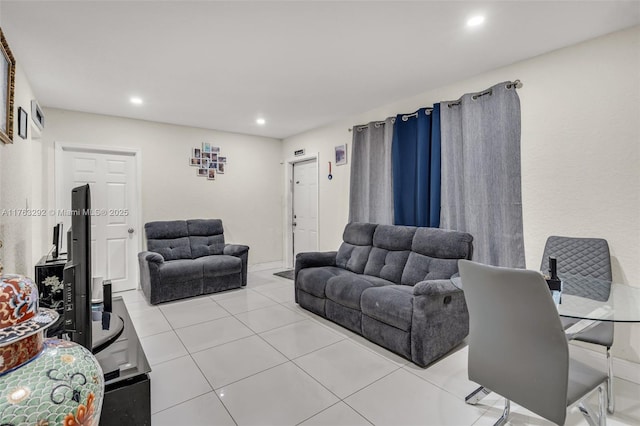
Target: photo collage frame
(208,160)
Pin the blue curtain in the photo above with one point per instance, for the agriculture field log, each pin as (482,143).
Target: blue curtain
(416,168)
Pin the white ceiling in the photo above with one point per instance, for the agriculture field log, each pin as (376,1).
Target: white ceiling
(300,65)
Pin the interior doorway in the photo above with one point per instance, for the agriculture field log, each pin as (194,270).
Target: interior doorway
(302,207)
(112,175)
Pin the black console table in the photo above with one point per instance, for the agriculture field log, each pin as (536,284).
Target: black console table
(127,399)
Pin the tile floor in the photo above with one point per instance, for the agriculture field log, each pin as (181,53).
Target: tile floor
(253,357)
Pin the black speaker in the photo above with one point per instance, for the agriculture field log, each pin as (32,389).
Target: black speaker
(106,288)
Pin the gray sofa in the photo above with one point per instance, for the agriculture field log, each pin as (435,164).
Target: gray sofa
(392,285)
(189,258)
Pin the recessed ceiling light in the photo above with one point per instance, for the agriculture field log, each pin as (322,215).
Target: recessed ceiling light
(135,100)
(475,21)
(261,121)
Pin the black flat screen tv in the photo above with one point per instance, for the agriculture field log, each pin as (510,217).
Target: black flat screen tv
(77,270)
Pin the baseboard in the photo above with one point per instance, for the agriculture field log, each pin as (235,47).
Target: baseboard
(622,368)
(267,265)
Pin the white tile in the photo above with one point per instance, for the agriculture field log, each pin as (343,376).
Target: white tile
(385,353)
(402,398)
(279,294)
(212,333)
(204,410)
(272,285)
(337,415)
(345,367)
(184,313)
(283,395)
(236,360)
(451,374)
(149,322)
(245,301)
(227,293)
(162,347)
(269,318)
(300,338)
(138,306)
(176,381)
(130,296)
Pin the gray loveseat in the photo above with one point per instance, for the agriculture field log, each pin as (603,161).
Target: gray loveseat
(392,285)
(189,258)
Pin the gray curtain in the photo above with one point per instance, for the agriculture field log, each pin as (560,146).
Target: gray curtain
(481,191)
(371,191)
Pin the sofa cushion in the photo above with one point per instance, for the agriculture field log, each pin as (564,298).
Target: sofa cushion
(169,239)
(421,268)
(180,271)
(206,237)
(394,237)
(171,249)
(219,265)
(391,305)
(314,280)
(442,243)
(347,289)
(354,251)
(386,264)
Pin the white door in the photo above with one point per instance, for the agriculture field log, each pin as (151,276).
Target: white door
(305,207)
(112,180)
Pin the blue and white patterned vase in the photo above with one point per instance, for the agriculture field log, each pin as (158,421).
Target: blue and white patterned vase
(42,382)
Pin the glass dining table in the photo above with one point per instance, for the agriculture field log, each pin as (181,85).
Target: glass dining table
(590,301)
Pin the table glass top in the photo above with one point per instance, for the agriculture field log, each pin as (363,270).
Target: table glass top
(590,298)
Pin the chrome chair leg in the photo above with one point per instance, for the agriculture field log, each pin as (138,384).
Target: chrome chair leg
(611,401)
(476,396)
(505,414)
(599,418)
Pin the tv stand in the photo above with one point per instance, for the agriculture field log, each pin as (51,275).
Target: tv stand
(127,399)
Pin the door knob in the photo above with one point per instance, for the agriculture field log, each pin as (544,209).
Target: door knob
(130,230)
(294,224)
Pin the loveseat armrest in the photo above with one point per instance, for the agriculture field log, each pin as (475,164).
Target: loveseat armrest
(241,251)
(150,263)
(440,320)
(150,256)
(236,250)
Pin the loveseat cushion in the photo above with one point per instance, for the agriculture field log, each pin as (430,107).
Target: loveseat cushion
(206,237)
(314,280)
(219,265)
(170,239)
(354,251)
(435,254)
(391,305)
(180,271)
(347,289)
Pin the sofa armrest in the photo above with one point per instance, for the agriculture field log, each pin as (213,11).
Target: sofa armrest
(241,251)
(435,288)
(314,259)
(236,250)
(440,320)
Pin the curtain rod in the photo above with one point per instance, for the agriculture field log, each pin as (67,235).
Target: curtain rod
(515,84)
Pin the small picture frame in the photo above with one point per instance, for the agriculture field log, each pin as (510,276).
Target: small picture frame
(213,165)
(196,153)
(221,167)
(23,123)
(203,172)
(206,155)
(222,159)
(215,149)
(37,115)
(212,174)
(341,155)
(194,162)
(214,157)
(206,147)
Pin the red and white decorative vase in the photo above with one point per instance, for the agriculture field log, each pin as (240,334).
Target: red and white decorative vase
(42,382)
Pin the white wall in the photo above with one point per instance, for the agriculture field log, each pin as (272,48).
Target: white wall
(246,198)
(580,152)
(20,178)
